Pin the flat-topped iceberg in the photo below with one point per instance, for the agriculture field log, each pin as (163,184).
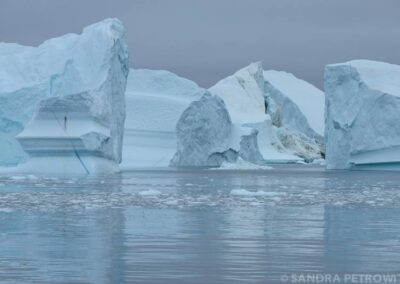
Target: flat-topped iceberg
(64,101)
(362,115)
(155,100)
(240,118)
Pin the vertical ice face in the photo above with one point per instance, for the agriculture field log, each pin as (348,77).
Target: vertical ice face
(362,115)
(297,110)
(155,100)
(91,67)
(301,104)
(204,133)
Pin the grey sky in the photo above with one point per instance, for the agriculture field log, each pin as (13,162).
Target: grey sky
(206,40)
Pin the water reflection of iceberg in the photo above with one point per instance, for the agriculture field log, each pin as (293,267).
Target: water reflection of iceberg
(361,239)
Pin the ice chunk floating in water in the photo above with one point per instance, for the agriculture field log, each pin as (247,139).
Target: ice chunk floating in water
(363,114)
(64,100)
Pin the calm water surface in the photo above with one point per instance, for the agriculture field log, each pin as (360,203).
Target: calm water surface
(198,226)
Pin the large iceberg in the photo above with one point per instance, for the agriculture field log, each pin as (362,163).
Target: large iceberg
(252,115)
(155,99)
(64,101)
(362,115)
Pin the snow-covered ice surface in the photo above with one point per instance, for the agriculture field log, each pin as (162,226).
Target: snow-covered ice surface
(362,115)
(42,89)
(195,226)
(155,99)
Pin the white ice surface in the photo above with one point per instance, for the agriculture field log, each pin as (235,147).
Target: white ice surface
(377,75)
(155,100)
(243,95)
(63,165)
(309,99)
(241,164)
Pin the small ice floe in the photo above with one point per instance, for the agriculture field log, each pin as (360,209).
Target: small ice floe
(51,178)
(17,178)
(6,210)
(149,192)
(171,202)
(320,162)
(245,192)
(241,164)
(32,177)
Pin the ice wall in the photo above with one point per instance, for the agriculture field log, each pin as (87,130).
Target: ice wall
(301,105)
(362,115)
(155,99)
(297,111)
(93,64)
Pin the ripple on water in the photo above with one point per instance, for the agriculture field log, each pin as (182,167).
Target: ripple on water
(199,189)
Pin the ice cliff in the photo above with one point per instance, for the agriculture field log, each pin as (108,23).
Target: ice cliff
(362,115)
(297,111)
(301,105)
(248,115)
(63,98)
(155,99)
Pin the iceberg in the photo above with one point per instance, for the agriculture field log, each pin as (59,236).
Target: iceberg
(62,104)
(155,100)
(297,109)
(362,115)
(301,105)
(252,116)
(204,134)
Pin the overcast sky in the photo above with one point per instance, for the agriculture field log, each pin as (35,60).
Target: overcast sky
(207,40)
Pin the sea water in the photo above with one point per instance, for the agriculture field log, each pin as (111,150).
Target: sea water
(199,226)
